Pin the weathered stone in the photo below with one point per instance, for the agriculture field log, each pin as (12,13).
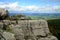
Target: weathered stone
(39,27)
(35,28)
(6,22)
(1,37)
(51,37)
(13,22)
(30,30)
(1,25)
(2,12)
(17,30)
(8,36)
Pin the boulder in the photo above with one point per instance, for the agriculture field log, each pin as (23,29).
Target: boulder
(3,13)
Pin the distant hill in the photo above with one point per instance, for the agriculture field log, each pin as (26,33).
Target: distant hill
(40,15)
(45,15)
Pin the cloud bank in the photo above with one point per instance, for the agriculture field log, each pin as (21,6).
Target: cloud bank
(15,7)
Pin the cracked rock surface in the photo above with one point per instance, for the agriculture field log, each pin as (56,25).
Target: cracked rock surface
(25,30)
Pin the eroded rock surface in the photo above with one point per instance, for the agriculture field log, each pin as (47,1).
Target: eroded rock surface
(27,30)
(8,36)
(2,13)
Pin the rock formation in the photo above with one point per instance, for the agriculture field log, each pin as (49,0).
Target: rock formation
(26,30)
(8,36)
(3,13)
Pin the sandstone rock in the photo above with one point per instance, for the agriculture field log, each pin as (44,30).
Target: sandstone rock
(6,22)
(8,36)
(1,25)
(2,13)
(13,22)
(29,30)
(1,37)
(17,30)
(38,27)
(35,28)
(51,37)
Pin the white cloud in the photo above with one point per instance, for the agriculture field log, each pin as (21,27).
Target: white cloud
(13,5)
(32,8)
(9,6)
(56,8)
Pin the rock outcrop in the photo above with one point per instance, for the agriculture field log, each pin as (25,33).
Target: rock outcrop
(27,30)
(3,13)
(8,36)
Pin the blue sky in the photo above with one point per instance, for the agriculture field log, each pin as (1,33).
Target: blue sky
(31,6)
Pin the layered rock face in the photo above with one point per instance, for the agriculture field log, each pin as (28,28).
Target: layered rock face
(27,30)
